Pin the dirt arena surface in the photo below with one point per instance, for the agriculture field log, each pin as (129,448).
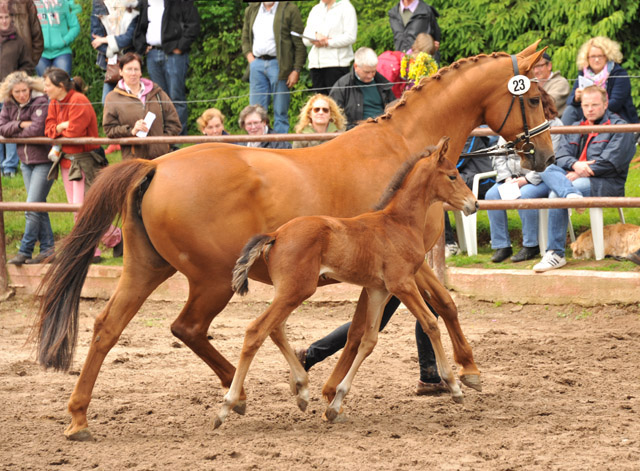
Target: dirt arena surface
(561,392)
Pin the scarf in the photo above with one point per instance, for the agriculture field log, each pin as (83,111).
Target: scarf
(8,34)
(599,79)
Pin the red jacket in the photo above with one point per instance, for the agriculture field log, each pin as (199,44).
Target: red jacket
(78,110)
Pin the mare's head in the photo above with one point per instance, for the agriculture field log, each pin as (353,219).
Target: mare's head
(514,108)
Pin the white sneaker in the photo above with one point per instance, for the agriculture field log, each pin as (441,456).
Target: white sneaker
(550,261)
(451,249)
(576,196)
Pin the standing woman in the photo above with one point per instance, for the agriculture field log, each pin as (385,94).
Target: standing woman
(60,27)
(23,115)
(319,115)
(599,63)
(127,105)
(71,114)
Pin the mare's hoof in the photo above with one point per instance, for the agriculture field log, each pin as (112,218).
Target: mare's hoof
(83,435)
(458,399)
(334,417)
(240,407)
(302,404)
(472,381)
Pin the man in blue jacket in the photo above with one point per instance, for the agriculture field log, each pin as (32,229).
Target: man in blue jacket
(594,164)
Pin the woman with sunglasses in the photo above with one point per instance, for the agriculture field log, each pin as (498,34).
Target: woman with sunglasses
(320,114)
(599,64)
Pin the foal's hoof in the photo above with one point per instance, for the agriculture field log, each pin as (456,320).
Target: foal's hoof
(472,381)
(240,407)
(83,435)
(458,399)
(302,403)
(217,423)
(334,417)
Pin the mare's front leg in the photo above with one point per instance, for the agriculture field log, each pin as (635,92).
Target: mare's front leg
(136,283)
(438,297)
(375,306)
(349,351)
(409,295)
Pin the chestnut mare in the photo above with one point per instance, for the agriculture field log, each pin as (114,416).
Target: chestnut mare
(380,251)
(193,210)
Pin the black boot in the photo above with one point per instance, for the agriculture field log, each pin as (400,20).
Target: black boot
(501,255)
(526,253)
(634,257)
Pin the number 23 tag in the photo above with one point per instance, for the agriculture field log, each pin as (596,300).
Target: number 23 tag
(519,85)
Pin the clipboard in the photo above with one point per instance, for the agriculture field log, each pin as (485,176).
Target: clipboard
(298,35)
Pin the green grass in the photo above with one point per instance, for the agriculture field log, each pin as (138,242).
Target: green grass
(62,223)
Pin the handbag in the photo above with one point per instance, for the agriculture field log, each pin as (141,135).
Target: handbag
(112,75)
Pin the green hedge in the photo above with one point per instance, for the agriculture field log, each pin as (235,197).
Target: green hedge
(469,27)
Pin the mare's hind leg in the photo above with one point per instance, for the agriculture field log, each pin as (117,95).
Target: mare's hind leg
(409,295)
(257,331)
(443,304)
(143,271)
(376,302)
(350,350)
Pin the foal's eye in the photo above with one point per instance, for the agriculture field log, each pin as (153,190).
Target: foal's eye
(535,101)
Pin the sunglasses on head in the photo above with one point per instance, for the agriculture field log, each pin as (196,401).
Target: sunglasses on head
(319,109)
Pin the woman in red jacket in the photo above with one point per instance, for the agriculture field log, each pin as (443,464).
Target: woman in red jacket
(71,114)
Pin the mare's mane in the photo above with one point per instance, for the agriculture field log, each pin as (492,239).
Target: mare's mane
(437,76)
(396,181)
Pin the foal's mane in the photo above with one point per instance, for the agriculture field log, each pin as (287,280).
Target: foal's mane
(397,179)
(437,76)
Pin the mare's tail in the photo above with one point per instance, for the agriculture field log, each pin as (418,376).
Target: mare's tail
(250,253)
(56,326)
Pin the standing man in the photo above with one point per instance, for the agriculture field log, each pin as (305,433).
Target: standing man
(362,93)
(166,29)
(24,15)
(594,164)
(409,18)
(553,82)
(274,55)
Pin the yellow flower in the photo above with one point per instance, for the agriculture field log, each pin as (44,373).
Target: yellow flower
(421,65)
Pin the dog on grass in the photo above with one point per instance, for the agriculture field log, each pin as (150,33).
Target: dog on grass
(620,240)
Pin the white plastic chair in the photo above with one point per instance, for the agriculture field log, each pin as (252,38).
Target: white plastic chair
(597,229)
(466,226)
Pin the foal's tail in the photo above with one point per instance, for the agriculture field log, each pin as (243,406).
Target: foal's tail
(250,253)
(56,326)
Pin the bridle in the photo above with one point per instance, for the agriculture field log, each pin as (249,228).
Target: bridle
(518,86)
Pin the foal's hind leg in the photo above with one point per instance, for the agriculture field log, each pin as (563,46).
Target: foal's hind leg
(376,302)
(443,304)
(143,271)
(257,331)
(409,295)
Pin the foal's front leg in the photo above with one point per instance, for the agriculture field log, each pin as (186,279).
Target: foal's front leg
(376,302)
(299,380)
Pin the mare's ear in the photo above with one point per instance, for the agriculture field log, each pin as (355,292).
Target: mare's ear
(443,147)
(527,63)
(529,50)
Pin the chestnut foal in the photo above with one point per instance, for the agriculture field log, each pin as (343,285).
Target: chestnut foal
(380,251)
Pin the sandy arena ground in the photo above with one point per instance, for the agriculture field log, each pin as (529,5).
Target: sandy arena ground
(561,392)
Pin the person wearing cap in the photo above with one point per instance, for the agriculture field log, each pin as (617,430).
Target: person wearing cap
(553,82)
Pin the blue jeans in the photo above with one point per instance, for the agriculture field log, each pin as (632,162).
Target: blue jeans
(62,62)
(169,71)
(499,224)
(265,87)
(106,88)
(555,178)
(37,224)
(336,340)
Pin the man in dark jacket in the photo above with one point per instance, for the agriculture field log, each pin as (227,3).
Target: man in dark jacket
(275,56)
(166,29)
(594,164)
(408,18)
(362,93)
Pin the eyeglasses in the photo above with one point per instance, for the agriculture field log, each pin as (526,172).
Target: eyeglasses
(598,57)
(319,109)
(251,124)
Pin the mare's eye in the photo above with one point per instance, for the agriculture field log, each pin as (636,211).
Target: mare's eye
(535,101)
(453,178)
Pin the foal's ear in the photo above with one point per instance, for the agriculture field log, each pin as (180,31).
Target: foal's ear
(443,147)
